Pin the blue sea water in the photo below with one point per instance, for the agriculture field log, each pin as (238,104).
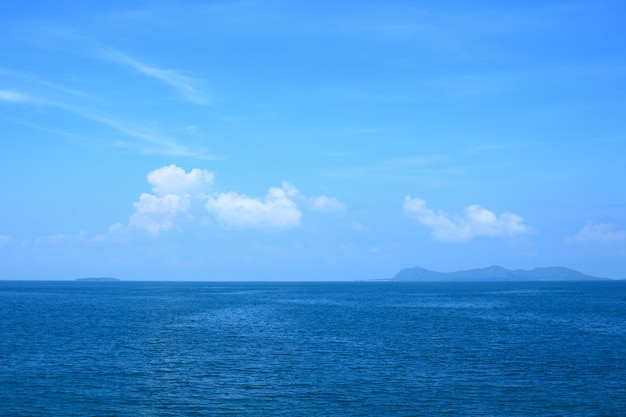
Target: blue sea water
(323,349)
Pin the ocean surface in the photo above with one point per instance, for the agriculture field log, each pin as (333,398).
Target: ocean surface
(312,349)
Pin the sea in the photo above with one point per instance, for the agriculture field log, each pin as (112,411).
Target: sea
(312,349)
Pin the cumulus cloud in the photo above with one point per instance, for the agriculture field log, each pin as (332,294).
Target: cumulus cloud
(174,180)
(601,232)
(174,194)
(179,197)
(277,210)
(157,214)
(476,221)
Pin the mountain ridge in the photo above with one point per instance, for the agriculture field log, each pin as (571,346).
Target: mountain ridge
(495,273)
(98,279)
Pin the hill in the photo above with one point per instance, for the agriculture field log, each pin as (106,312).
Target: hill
(98,279)
(494,273)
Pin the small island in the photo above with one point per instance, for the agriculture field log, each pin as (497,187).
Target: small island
(98,279)
(494,273)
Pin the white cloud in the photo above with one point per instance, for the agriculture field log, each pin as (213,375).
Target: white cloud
(116,232)
(174,180)
(181,198)
(174,193)
(12,96)
(359,227)
(277,210)
(326,204)
(601,232)
(476,221)
(158,214)
(4,239)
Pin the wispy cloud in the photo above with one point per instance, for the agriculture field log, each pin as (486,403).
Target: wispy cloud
(598,232)
(4,239)
(476,221)
(153,142)
(38,84)
(12,96)
(150,141)
(326,204)
(432,170)
(184,84)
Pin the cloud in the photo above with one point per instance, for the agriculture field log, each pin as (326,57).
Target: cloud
(62,239)
(184,84)
(12,96)
(158,214)
(359,227)
(602,232)
(4,239)
(277,210)
(326,204)
(476,221)
(156,142)
(181,198)
(152,142)
(42,84)
(174,193)
(174,180)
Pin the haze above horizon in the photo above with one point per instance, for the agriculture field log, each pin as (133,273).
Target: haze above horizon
(287,141)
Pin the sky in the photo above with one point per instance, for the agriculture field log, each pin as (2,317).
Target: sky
(288,140)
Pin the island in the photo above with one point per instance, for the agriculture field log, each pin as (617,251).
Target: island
(494,273)
(98,279)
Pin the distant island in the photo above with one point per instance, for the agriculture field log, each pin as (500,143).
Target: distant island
(494,273)
(98,279)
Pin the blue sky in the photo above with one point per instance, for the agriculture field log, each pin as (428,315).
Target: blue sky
(279,140)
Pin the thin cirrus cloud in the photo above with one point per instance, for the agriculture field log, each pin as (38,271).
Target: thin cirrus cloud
(598,232)
(326,204)
(148,142)
(476,221)
(187,86)
(12,96)
(182,83)
(181,197)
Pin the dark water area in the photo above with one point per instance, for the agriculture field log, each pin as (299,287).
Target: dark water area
(324,349)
